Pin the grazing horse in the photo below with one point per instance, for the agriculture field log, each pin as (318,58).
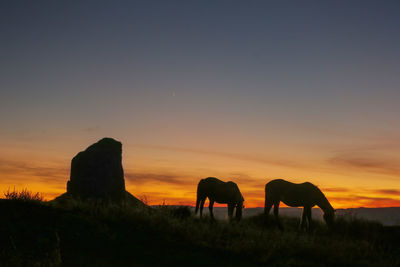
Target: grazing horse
(220,192)
(304,195)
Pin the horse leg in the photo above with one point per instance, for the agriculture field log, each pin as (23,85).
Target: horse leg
(198,200)
(268,206)
(230,211)
(210,207)
(308,214)
(303,219)
(276,213)
(201,206)
(239,211)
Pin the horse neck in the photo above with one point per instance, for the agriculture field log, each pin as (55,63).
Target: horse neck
(324,204)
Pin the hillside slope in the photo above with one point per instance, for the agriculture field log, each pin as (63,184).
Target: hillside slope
(89,234)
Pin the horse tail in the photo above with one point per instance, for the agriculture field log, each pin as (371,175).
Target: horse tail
(266,211)
(197,204)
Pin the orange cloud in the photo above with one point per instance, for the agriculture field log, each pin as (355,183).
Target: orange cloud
(27,169)
(335,189)
(237,156)
(363,163)
(140,178)
(388,192)
(355,201)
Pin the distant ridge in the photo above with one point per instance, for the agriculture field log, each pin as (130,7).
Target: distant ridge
(387,216)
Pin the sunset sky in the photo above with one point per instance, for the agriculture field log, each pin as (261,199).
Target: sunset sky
(246,91)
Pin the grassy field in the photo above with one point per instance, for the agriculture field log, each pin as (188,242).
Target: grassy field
(77,233)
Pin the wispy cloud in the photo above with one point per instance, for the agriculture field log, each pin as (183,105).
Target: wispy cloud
(367,201)
(262,159)
(335,189)
(247,180)
(92,129)
(367,164)
(41,173)
(147,177)
(388,192)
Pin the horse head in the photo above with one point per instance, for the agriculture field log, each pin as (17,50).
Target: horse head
(236,198)
(329,216)
(239,206)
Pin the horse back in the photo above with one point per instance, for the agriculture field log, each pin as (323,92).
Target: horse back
(292,194)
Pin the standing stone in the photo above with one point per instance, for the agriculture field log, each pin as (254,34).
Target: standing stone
(97,172)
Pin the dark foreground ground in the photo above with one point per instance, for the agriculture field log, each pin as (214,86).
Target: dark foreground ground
(34,233)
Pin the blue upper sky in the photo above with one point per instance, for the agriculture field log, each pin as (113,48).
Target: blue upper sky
(303,59)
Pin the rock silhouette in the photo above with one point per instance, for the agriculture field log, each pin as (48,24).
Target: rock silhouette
(97,172)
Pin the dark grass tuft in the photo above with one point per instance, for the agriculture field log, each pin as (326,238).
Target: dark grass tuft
(23,195)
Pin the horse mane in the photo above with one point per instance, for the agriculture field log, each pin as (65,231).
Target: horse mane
(323,201)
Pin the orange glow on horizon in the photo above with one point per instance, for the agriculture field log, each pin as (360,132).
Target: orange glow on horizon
(162,194)
(170,176)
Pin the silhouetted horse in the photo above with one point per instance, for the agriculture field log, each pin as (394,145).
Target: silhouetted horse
(304,195)
(220,192)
